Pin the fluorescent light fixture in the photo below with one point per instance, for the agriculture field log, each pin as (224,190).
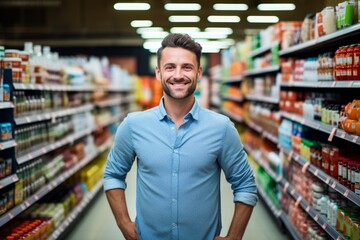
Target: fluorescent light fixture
(230,7)
(262,19)
(154,35)
(224,30)
(219,44)
(141,23)
(184,18)
(149,29)
(208,35)
(152,44)
(182,6)
(229,19)
(184,29)
(131,6)
(276,7)
(210,50)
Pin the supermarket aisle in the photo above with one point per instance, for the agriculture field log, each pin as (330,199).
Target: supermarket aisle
(99,223)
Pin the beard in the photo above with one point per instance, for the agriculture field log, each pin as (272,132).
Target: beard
(178,95)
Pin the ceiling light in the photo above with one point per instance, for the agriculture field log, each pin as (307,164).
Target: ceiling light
(152,44)
(184,18)
(184,29)
(224,30)
(208,35)
(131,6)
(276,7)
(149,29)
(233,19)
(141,23)
(262,19)
(154,35)
(230,7)
(182,6)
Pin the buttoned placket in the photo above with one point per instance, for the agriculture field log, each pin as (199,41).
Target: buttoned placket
(176,138)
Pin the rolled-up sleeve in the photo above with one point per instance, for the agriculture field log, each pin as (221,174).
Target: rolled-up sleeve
(233,160)
(120,158)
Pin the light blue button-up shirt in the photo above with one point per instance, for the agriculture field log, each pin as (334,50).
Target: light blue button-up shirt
(178,171)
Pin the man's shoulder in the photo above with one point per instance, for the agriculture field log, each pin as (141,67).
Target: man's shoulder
(142,115)
(214,117)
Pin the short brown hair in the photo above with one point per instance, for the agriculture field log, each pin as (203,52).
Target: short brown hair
(182,41)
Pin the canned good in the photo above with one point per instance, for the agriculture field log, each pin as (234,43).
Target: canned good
(11,62)
(11,53)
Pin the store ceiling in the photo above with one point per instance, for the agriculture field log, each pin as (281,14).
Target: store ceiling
(96,23)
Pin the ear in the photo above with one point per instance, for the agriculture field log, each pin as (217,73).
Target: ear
(199,73)
(157,73)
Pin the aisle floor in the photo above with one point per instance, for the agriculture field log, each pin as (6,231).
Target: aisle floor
(98,222)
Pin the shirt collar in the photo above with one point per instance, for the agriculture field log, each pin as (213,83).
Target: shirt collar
(194,111)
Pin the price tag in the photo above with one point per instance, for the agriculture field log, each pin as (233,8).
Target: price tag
(39,118)
(339,238)
(15,178)
(11,215)
(327,180)
(316,218)
(53,118)
(285,188)
(333,185)
(316,172)
(22,206)
(355,139)
(2,146)
(331,136)
(292,192)
(278,179)
(343,134)
(307,209)
(296,157)
(27,204)
(27,119)
(36,197)
(350,84)
(346,193)
(305,167)
(333,84)
(298,201)
(43,150)
(303,121)
(1,185)
(30,156)
(324,226)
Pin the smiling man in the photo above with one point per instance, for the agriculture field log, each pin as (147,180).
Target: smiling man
(181,149)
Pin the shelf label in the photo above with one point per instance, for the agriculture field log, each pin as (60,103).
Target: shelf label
(307,209)
(1,185)
(324,225)
(292,192)
(333,185)
(333,84)
(355,139)
(305,167)
(11,215)
(316,172)
(2,146)
(346,193)
(343,135)
(332,134)
(327,180)
(339,238)
(285,188)
(290,155)
(15,178)
(27,119)
(316,218)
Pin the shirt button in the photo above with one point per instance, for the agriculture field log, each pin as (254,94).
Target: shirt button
(176,151)
(173,225)
(174,200)
(174,174)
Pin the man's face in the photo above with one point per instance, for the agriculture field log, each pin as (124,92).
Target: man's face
(178,72)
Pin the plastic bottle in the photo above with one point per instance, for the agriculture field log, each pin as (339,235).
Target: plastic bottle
(356,65)
(349,62)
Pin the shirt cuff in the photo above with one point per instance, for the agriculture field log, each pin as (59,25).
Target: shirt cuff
(247,198)
(113,184)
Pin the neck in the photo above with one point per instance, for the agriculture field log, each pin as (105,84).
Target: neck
(177,109)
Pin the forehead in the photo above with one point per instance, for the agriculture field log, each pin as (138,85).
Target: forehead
(177,55)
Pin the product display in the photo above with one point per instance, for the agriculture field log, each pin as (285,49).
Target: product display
(58,120)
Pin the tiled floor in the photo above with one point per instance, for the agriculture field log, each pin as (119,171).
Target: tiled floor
(99,223)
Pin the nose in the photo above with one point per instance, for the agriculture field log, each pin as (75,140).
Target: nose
(178,73)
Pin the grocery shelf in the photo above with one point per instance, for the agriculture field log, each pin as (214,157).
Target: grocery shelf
(330,181)
(261,71)
(260,98)
(57,88)
(317,125)
(4,105)
(263,132)
(7,144)
(332,38)
(113,102)
(322,84)
(231,115)
(8,180)
(276,212)
(315,215)
(262,50)
(75,213)
(112,120)
(9,215)
(37,117)
(256,156)
(229,79)
(115,88)
(39,151)
(293,231)
(232,98)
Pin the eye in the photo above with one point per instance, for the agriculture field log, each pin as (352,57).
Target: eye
(188,67)
(169,67)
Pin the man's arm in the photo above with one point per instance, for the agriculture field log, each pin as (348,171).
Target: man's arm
(117,201)
(239,222)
